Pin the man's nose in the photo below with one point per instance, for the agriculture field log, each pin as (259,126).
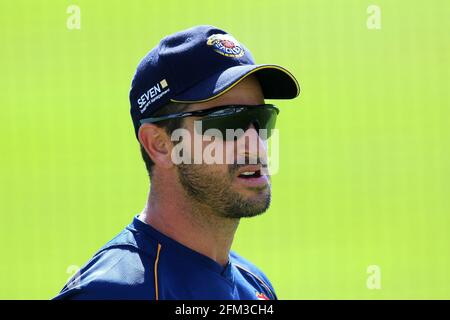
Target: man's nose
(253,129)
(251,141)
(253,126)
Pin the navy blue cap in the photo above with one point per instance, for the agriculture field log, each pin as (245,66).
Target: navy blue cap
(197,65)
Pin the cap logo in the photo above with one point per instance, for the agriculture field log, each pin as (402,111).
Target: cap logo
(226,45)
(152,94)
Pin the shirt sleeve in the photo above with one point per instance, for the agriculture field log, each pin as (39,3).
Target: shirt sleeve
(116,273)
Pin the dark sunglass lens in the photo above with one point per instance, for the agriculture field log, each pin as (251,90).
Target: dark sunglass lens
(219,125)
(265,119)
(238,123)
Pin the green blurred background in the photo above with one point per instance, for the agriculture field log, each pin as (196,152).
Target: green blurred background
(364,173)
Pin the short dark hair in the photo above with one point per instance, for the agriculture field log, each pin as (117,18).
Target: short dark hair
(169,126)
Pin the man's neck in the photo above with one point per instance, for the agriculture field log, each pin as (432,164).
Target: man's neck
(191,224)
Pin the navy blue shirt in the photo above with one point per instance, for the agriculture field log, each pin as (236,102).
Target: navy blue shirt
(142,263)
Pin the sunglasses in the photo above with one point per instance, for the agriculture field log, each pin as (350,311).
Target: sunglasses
(231,117)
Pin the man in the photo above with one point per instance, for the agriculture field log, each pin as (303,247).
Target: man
(178,247)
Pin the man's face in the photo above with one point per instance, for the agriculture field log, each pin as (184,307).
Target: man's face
(223,186)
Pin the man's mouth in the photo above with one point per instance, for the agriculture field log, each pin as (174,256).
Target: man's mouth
(252,176)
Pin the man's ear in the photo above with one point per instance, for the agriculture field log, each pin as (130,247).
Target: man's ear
(157,144)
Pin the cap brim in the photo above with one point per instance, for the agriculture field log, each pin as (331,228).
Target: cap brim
(276,83)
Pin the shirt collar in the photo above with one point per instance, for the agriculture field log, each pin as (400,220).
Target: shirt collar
(171,244)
